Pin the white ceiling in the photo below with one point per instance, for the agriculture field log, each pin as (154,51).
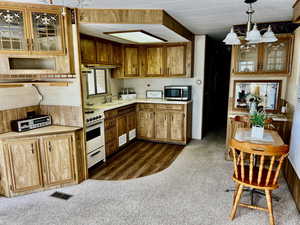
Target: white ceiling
(155,29)
(213,17)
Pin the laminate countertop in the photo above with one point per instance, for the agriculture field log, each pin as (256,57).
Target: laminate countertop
(53,129)
(121,103)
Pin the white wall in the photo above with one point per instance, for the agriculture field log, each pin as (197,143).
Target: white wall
(141,85)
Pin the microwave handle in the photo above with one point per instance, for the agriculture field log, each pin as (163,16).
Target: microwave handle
(181,93)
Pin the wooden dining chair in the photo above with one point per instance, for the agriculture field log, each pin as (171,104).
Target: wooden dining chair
(256,166)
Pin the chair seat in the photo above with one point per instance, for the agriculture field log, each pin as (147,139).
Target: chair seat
(254,182)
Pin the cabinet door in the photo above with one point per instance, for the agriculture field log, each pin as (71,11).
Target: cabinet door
(104,52)
(58,159)
(161,125)
(246,58)
(154,61)
(131,68)
(117,54)
(177,128)
(13,36)
(146,124)
(122,130)
(47,33)
(176,60)
(276,56)
(131,125)
(88,50)
(25,167)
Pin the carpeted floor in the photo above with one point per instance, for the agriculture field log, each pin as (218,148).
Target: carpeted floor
(189,192)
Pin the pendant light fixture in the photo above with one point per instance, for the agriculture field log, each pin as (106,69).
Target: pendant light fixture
(253,35)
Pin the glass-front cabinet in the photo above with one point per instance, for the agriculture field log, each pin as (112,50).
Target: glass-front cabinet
(31,30)
(265,58)
(13,36)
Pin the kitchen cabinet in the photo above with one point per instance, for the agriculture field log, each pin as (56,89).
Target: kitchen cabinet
(104,52)
(24,165)
(175,60)
(165,122)
(32,29)
(264,58)
(154,62)
(131,61)
(58,154)
(88,46)
(161,125)
(146,122)
(177,126)
(37,163)
(120,128)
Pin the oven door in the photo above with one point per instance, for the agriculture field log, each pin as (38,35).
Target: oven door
(173,93)
(95,136)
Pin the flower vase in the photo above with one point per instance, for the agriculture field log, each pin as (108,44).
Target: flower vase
(257,133)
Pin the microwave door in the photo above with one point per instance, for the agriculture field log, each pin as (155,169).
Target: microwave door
(173,93)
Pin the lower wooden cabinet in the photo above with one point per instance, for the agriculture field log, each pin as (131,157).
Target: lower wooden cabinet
(165,122)
(24,165)
(58,156)
(120,128)
(37,163)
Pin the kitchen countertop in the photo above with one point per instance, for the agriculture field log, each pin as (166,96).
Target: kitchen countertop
(275,117)
(120,103)
(53,129)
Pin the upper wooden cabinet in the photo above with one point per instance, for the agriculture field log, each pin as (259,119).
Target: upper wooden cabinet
(88,47)
(131,61)
(296,12)
(154,63)
(176,60)
(265,58)
(32,30)
(99,51)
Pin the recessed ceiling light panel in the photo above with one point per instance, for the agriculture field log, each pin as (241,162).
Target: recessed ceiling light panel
(137,36)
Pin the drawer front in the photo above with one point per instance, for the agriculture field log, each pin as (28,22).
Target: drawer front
(170,107)
(96,156)
(145,107)
(109,123)
(110,114)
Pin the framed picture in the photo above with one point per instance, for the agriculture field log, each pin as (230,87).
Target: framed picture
(268,91)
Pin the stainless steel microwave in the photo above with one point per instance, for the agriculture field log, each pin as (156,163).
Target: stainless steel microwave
(178,93)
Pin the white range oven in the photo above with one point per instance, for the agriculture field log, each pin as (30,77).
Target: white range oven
(95,140)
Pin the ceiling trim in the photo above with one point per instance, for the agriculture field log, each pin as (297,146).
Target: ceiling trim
(133,16)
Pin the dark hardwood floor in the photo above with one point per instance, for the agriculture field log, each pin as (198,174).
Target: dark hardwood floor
(137,160)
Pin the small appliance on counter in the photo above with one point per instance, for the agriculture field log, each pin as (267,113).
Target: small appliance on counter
(127,94)
(32,121)
(178,93)
(154,94)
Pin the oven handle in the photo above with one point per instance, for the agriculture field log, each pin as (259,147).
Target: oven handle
(96,153)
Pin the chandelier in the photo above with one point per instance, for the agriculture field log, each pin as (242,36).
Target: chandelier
(253,35)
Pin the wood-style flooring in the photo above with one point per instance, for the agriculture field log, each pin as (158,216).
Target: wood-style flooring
(137,160)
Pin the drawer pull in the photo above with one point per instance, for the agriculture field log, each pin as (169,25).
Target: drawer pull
(94,154)
(50,147)
(32,149)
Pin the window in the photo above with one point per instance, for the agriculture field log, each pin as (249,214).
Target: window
(97,82)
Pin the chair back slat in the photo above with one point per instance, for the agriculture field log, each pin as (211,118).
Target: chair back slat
(270,170)
(278,169)
(261,166)
(251,168)
(257,164)
(242,167)
(235,163)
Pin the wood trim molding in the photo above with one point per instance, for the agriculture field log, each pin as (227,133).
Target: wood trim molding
(134,16)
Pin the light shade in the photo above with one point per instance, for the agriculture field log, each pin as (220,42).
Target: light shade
(254,35)
(137,36)
(232,38)
(269,36)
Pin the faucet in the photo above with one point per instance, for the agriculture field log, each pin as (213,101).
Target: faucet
(108,99)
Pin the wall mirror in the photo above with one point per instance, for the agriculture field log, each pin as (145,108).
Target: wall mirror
(268,90)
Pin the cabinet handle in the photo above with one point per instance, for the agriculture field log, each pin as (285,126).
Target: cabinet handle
(50,147)
(166,117)
(32,149)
